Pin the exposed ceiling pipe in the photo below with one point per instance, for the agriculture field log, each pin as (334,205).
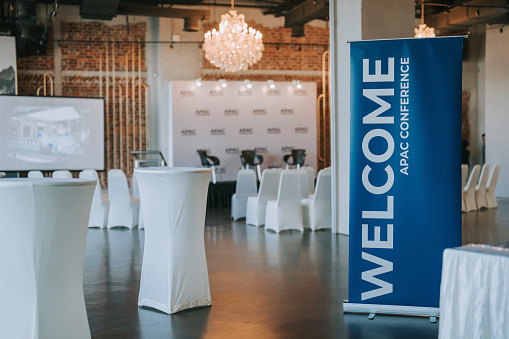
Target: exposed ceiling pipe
(27,16)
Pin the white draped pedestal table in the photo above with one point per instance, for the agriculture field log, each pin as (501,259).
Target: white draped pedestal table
(174,274)
(474,293)
(43,227)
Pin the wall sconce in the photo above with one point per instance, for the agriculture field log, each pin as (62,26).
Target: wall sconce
(297,84)
(198,82)
(271,83)
(248,84)
(223,83)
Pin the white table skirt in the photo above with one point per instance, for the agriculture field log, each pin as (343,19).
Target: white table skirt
(174,272)
(43,225)
(474,293)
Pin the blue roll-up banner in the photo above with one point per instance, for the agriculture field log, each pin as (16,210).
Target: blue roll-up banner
(405,174)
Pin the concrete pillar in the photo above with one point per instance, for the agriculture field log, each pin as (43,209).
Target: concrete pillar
(353,20)
(153,63)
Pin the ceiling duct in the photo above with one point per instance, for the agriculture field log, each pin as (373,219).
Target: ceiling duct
(191,16)
(297,31)
(99,9)
(470,13)
(307,11)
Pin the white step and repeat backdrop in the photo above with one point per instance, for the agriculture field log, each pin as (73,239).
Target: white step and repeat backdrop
(225,121)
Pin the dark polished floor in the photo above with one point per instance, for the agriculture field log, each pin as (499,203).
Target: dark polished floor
(263,285)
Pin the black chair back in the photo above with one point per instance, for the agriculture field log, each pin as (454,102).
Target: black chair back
(248,157)
(207,160)
(203,157)
(299,156)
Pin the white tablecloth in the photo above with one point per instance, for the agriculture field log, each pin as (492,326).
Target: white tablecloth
(474,293)
(174,272)
(43,227)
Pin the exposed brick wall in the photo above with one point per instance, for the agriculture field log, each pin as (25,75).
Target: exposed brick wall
(83,58)
(82,55)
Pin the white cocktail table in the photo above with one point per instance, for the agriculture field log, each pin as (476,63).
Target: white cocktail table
(474,292)
(174,274)
(43,227)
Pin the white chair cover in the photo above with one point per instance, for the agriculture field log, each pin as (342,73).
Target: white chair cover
(99,208)
(285,212)
(303,182)
(469,190)
(42,250)
(35,174)
(480,189)
(317,211)
(311,178)
(255,213)
(62,174)
(174,272)
(491,200)
(136,196)
(464,175)
(123,211)
(245,188)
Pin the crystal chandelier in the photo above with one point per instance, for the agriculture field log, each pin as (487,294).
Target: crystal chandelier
(235,46)
(424,31)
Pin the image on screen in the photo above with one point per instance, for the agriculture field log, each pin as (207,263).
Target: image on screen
(51,133)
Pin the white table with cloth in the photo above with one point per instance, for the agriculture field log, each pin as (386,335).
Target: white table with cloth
(474,293)
(174,274)
(43,227)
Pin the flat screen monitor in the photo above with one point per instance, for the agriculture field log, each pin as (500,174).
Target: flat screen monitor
(51,133)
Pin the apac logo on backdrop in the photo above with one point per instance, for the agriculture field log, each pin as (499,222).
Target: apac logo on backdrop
(232,150)
(287,111)
(231,112)
(273,92)
(245,92)
(301,130)
(263,149)
(202,112)
(300,92)
(274,130)
(287,149)
(245,131)
(186,93)
(217,131)
(260,111)
(216,93)
(188,132)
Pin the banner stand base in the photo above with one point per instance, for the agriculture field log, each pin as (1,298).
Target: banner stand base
(373,309)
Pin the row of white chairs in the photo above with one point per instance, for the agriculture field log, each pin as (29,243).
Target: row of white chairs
(479,191)
(60,174)
(246,187)
(119,210)
(285,199)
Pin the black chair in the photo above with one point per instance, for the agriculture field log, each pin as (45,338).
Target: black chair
(298,158)
(209,161)
(249,159)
